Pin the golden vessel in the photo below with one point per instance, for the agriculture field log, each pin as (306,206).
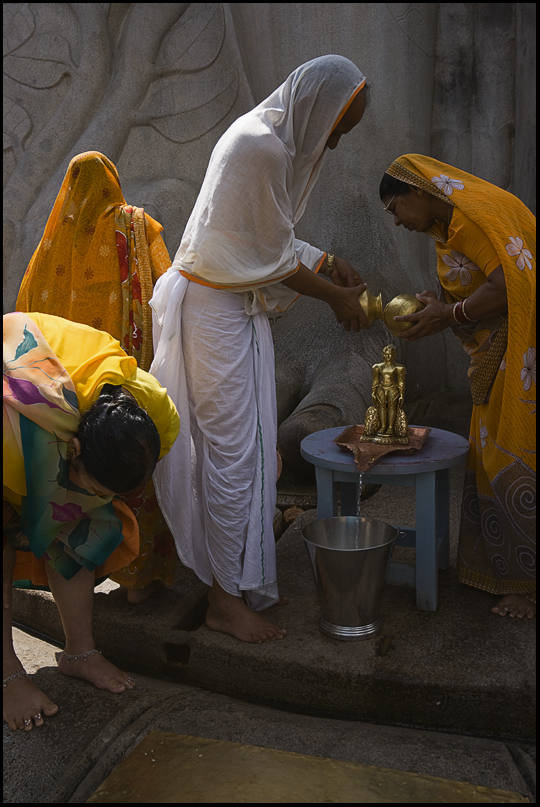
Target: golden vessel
(400,306)
(372,306)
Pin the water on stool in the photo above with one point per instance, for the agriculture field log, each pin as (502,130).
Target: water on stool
(358,510)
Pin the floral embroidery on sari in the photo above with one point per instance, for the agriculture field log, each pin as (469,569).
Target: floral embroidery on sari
(528,373)
(460,266)
(447,185)
(516,247)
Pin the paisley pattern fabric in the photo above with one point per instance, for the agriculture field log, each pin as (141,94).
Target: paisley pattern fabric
(490,227)
(96,264)
(60,522)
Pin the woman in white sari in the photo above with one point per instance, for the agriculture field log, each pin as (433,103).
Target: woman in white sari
(238,259)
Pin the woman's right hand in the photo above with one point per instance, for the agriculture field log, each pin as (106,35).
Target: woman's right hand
(344,303)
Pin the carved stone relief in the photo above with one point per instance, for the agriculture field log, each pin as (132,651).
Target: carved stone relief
(153,86)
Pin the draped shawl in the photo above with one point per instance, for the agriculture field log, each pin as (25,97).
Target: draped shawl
(497,542)
(98,258)
(61,522)
(240,235)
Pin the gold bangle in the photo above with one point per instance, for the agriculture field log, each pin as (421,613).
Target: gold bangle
(329,265)
(465,313)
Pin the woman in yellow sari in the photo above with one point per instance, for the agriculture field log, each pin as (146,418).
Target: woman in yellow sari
(486,266)
(96,264)
(83,426)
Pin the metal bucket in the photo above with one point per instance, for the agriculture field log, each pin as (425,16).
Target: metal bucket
(349,568)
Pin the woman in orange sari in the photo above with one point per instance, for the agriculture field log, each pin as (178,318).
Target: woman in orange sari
(96,264)
(486,254)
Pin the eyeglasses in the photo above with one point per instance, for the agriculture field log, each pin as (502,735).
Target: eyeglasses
(388,205)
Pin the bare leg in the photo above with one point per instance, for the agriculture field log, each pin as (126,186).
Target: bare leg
(23,700)
(515,605)
(230,614)
(391,419)
(382,409)
(74,599)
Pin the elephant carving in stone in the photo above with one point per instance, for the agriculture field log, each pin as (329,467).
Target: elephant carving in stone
(154,86)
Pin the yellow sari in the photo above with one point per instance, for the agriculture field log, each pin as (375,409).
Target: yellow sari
(96,264)
(497,542)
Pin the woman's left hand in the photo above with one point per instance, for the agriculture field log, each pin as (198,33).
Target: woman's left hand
(343,274)
(435,317)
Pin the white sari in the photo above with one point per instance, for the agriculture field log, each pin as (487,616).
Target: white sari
(213,345)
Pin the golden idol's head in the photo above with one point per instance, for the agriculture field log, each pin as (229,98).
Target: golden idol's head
(389,353)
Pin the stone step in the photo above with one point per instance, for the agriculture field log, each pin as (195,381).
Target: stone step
(459,669)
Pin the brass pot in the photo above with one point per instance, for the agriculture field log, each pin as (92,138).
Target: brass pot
(398,307)
(371,306)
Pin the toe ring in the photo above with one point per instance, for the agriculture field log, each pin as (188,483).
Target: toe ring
(38,716)
(27,722)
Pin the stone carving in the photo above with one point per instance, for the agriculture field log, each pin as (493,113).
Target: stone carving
(134,81)
(153,86)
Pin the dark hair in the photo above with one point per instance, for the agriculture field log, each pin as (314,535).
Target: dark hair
(120,444)
(390,186)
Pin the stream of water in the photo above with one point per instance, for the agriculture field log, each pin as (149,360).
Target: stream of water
(356,543)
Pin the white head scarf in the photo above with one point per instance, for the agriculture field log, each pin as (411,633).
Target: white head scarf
(240,235)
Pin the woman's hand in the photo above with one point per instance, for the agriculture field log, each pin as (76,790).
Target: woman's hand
(343,274)
(435,317)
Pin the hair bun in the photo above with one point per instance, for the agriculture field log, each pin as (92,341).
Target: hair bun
(117,396)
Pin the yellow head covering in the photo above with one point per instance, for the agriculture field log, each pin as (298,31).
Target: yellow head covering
(78,249)
(506,221)
(98,258)
(511,228)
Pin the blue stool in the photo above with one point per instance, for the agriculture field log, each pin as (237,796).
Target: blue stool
(427,471)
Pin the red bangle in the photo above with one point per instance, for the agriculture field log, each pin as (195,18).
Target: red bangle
(459,315)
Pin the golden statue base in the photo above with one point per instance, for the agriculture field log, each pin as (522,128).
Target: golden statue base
(384,439)
(367,453)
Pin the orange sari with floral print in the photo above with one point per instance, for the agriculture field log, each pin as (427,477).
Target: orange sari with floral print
(96,264)
(490,227)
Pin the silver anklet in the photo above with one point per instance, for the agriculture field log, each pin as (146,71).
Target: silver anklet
(6,681)
(81,655)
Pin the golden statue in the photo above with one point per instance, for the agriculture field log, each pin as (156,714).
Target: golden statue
(385,421)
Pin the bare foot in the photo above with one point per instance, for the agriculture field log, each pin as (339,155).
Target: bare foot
(25,705)
(230,614)
(515,605)
(135,596)
(98,671)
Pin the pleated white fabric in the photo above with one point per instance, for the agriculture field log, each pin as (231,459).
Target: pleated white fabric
(217,486)
(213,347)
